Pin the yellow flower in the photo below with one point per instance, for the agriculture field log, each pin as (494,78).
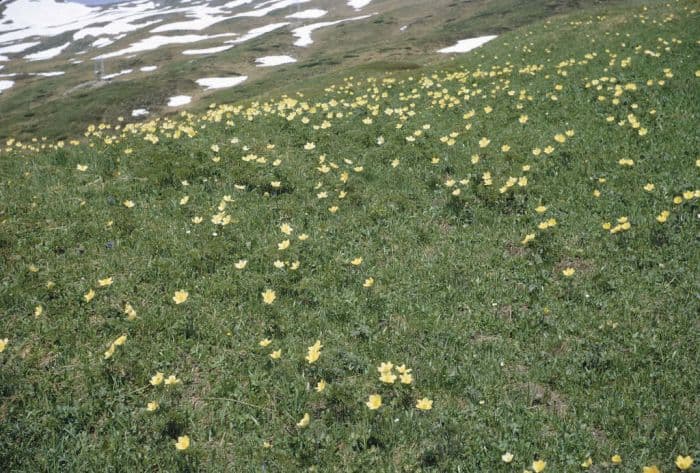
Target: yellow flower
(505,148)
(120,341)
(374,402)
(528,238)
(385,367)
(649,187)
(357,261)
(568,272)
(314,352)
(616,459)
(540,209)
(276,355)
(663,216)
(109,352)
(320,386)
(484,142)
(180,296)
(38,310)
(424,404)
(156,379)
(197,220)
(587,463)
(304,421)
(130,312)
(539,465)
(651,469)
(81,167)
(152,406)
(507,457)
(184,200)
(549,149)
(283,245)
(678,200)
(286,229)
(406,378)
(3,344)
(105,282)
(264,342)
(395,163)
(242,263)
(269,296)
(171,380)
(387,377)
(369,282)
(303,237)
(128,204)
(183,443)
(523,119)
(309,146)
(559,138)
(684,463)
(89,295)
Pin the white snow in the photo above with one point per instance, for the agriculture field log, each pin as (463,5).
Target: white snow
(217,49)
(102,42)
(154,42)
(306,14)
(260,12)
(358,4)
(48,74)
(139,112)
(46,53)
(254,33)
(117,74)
(18,48)
(3,58)
(220,82)
(268,61)
(304,32)
(179,100)
(5,84)
(148,68)
(466,45)
(403,28)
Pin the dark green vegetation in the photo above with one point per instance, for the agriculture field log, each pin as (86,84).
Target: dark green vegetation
(516,356)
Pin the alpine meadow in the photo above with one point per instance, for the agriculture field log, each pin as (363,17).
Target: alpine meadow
(484,263)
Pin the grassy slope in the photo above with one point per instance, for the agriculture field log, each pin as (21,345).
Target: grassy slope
(55,108)
(516,356)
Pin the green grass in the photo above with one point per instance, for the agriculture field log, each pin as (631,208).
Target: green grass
(516,356)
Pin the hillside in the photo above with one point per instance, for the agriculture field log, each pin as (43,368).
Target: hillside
(486,264)
(150,51)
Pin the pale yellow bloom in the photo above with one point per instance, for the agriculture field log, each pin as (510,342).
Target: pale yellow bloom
(374,402)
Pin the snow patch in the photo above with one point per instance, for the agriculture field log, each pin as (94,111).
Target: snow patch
(155,42)
(466,45)
(307,14)
(220,82)
(5,84)
(148,68)
(139,112)
(46,53)
(269,61)
(260,12)
(179,100)
(304,33)
(49,74)
(117,74)
(358,4)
